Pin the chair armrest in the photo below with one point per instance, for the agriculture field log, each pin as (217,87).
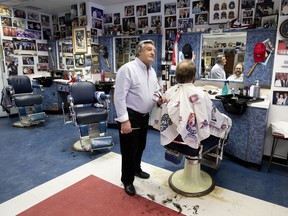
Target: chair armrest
(70,99)
(38,86)
(10,90)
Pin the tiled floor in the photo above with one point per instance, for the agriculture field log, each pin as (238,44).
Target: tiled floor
(220,202)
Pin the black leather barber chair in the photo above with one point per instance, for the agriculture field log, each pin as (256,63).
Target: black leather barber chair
(88,110)
(192,181)
(28,103)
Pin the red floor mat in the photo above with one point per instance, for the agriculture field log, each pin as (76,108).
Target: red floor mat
(97,197)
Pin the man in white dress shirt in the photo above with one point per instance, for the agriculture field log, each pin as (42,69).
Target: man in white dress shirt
(217,71)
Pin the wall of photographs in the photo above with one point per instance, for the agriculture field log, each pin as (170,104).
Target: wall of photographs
(25,35)
(24,40)
(188,16)
(165,17)
(280,78)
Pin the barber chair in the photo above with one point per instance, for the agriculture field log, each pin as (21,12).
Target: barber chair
(192,181)
(88,110)
(27,103)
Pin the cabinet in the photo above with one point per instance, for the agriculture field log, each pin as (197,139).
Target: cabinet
(52,98)
(247,135)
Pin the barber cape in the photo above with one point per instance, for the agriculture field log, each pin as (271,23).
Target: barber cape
(190,113)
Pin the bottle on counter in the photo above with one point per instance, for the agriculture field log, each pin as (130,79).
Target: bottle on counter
(102,76)
(164,88)
(257,88)
(225,89)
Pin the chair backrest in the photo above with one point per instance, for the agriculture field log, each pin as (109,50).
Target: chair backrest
(83,92)
(20,83)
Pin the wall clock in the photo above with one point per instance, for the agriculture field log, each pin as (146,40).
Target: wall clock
(284,28)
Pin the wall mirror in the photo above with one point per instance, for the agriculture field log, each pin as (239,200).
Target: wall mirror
(230,44)
(124,50)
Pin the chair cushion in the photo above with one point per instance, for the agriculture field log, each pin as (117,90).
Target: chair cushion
(23,100)
(21,84)
(90,114)
(187,150)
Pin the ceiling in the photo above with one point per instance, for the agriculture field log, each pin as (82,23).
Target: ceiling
(53,6)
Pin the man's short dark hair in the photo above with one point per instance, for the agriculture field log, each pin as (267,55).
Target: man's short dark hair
(185,71)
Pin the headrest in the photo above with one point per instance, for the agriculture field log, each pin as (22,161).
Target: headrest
(187,51)
(259,52)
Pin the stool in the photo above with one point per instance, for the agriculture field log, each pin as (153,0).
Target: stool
(276,137)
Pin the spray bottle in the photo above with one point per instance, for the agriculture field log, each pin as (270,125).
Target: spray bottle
(225,88)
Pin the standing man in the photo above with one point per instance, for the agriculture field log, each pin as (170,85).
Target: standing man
(238,73)
(136,82)
(217,71)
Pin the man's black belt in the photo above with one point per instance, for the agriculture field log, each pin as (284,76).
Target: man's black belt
(133,112)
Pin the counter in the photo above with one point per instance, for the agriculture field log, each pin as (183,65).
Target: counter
(247,136)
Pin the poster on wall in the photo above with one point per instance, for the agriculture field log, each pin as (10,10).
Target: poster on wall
(222,11)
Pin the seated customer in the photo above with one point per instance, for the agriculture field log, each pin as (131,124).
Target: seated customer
(238,73)
(189,112)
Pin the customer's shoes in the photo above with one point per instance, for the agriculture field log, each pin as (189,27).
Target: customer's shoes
(142,175)
(130,189)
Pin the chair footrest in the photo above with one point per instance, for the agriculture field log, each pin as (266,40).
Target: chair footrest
(37,116)
(172,156)
(102,142)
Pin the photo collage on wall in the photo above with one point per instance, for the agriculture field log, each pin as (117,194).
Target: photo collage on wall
(280,82)
(22,30)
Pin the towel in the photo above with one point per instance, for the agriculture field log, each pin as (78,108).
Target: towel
(280,127)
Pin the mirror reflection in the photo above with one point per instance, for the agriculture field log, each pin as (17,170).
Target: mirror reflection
(223,56)
(124,50)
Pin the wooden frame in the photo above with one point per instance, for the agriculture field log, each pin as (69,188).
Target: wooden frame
(223,11)
(79,40)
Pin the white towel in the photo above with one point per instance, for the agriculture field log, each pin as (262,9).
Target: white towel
(280,127)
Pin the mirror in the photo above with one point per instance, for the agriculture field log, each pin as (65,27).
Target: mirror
(230,44)
(124,50)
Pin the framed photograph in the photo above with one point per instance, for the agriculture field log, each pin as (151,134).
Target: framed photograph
(33,16)
(280,98)
(141,10)
(5,11)
(129,10)
(269,21)
(170,9)
(222,11)
(154,7)
(282,47)
(281,79)
(79,60)
(79,40)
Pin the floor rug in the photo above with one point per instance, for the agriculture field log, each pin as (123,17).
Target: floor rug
(95,196)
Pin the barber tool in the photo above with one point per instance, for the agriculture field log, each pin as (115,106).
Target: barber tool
(259,56)
(105,53)
(132,129)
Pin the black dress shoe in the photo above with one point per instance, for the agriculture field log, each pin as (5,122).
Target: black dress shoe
(130,189)
(142,175)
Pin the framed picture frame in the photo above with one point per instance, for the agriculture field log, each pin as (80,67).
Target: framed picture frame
(223,11)
(79,40)
(269,21)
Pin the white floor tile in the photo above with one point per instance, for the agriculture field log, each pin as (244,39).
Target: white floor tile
(219,202)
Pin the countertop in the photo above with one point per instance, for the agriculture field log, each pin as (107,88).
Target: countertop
(261,104)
